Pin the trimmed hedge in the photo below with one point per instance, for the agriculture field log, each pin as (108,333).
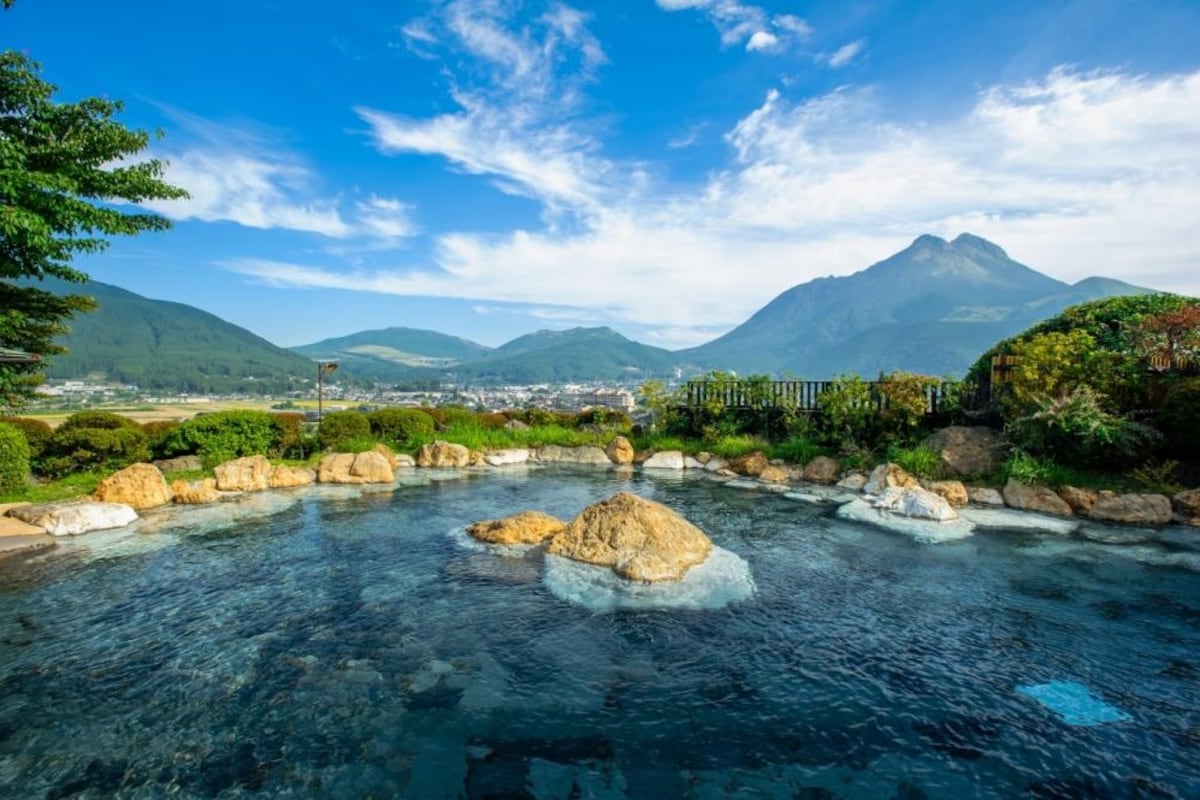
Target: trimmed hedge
(224,435)
(37,433)
(78,449)
(401,426)
(339,428)
(14,458)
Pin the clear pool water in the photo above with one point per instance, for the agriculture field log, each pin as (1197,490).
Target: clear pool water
(347,645)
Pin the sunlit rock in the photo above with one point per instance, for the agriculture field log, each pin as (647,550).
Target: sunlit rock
(285,477)
(1080,500)
(73,517)
(885,476)
(189,493)
(443,455)
(639,539)
(954,492)
(984,496)
(248,474)
(723,578)
(137,486)
(1034,498)
(751,465)
(503,458)
(968,451)
(667,459)
(368,467)
(774,474)
(620,451)
(526,527)
(915,502)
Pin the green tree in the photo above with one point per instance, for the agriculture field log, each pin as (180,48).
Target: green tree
(62,168)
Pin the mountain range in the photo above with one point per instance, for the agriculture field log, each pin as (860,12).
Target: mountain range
(931,308)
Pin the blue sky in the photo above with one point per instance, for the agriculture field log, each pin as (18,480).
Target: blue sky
(487,168)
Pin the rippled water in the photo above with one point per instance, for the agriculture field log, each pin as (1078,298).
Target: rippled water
(347,645)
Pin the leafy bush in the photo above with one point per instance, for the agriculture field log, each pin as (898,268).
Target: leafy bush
(292,442)
(98,420)
(1028,469)
(77,449)
(157,432)
(848,411)
(1077,429)
(923,462)
(37,434)
(339,428)
(906,398)
(14,459)
(1049,366)
(401,426)
(224,435)
(1179,419)
(1161,477)
(797,450)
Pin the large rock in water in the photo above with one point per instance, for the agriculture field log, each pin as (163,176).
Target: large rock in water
(620,451)
(886,476)
(664,459)
(248,474)
(640,539)
(527,527)
(285,477)
(368,467)
(195,493)
(137,486)
(71,517)
(917,503)
(443,455)
(968,451)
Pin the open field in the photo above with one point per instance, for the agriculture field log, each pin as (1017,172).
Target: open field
(150,412)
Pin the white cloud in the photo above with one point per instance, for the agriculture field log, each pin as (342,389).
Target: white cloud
(740,23)
(846,53)
(1077,174)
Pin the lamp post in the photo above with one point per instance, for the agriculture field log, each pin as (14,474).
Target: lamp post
(322,368)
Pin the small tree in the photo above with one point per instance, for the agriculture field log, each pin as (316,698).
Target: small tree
(61,167)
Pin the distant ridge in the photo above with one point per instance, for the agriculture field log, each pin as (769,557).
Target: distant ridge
(931,308)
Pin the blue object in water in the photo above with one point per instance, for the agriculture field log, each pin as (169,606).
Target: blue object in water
(1074,702)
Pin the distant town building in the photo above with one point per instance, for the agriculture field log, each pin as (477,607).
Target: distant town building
(620,399)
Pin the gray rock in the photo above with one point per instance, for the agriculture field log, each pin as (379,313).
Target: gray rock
(1034,498)
(968,451)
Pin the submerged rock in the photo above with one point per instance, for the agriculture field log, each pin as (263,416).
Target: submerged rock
(72,517)
(527,527)
(639,539)
(923,530)
(137,486)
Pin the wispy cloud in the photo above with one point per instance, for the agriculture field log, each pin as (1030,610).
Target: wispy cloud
(846,53)
(1076,174)
(240,175)
(745,24)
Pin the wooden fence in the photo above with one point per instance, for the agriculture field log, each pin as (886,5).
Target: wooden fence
(805,396)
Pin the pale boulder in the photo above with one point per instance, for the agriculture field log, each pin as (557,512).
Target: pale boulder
(917,503)
(824,470)
(1034,498)
(620,451)
(984,496)
(443,455)
(195,492)
(137,486)
(285,477)
(368,467)
(639,539)
(953,491)
(715,464)
(554,454)
(73,517)
(248,474)
(667,459)
(504,458)
(885,476)
(477,459)
(405,461)
(773,473)
(527,527)
(855,481)
(385,451)
(1132,509)
(1080,500)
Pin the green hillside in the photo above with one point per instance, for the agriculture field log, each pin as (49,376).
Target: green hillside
(158,345)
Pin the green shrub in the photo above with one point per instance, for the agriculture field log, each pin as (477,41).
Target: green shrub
(339,428)
(78,449)
(14,459)
(797,450)
(292,442)
(96,420)
(923,462)
(224,435)
(401,426)
(849,412)
(1028,469)
(1078,430)
(157,432)
(1178,420)
(37,434)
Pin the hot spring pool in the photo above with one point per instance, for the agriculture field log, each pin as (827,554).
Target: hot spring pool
(347,644)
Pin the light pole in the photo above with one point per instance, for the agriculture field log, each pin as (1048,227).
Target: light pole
(322,368)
